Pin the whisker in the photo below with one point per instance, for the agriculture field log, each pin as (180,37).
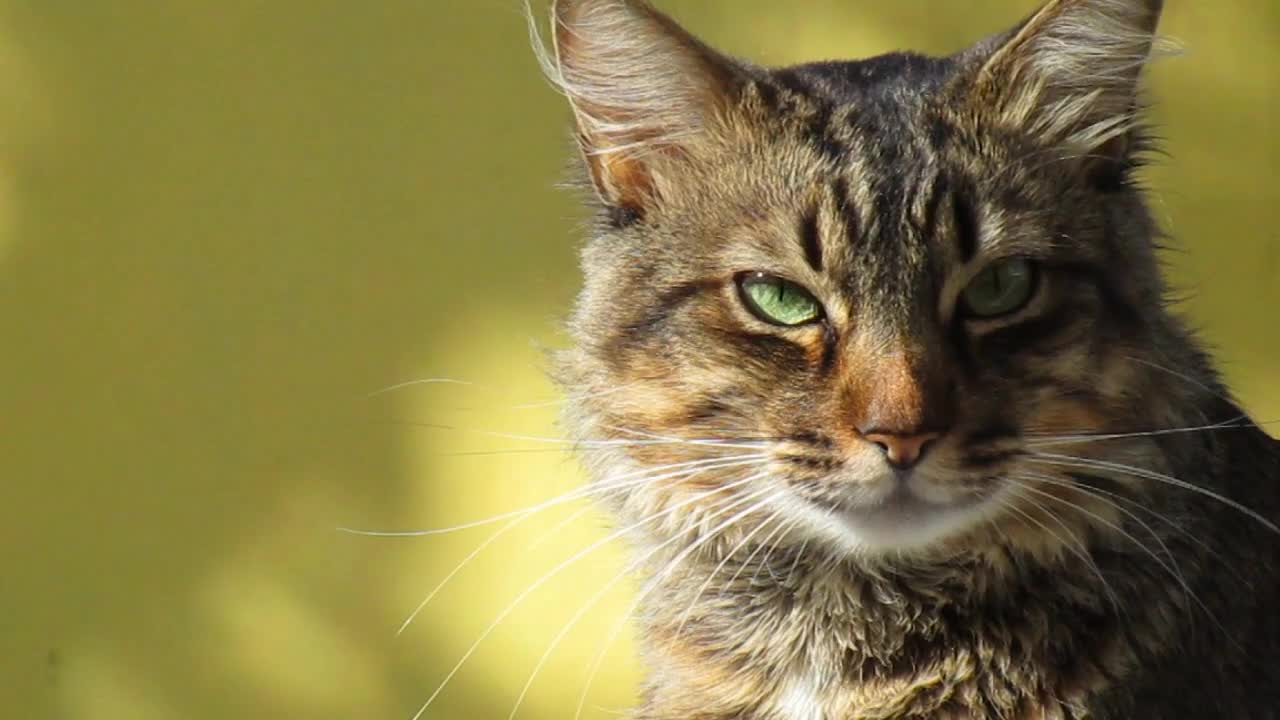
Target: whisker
(558,528)
(1098,495)
(554,440)
(616,629)
(573,398)
(515,520)
(1172,567)
(497,453)
(1088,437)
(413,383)
(768,556)
(795,563)
(655,440)
(991,522)
(659,576)
(560,568)
(1072,461)
(566,398)
(756,441)
(583,610)
(766,542)
(1169,567)
(1181,376)
(595,598)
(711,576)
(1077,549)
(475,552)
(635,478)
(1192,537)
(598,661)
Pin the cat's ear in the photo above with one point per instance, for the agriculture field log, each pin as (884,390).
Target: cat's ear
(1070,73)
(641,88)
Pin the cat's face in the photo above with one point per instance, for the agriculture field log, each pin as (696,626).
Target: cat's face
(846,300)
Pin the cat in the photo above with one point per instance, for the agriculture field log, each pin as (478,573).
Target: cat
(875,368)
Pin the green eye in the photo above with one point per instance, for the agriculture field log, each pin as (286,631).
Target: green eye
(1001,288)
(778,301)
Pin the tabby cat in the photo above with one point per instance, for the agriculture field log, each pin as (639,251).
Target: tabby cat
(876,370)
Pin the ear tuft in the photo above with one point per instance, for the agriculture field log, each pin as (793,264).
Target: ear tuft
(641,89)
(1070,74)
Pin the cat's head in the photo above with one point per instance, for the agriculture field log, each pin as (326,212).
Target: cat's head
(850,300)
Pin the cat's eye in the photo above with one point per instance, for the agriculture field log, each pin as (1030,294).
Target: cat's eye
(777,301)
(1001,288)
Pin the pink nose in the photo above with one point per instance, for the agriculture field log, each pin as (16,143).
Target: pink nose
(902,451)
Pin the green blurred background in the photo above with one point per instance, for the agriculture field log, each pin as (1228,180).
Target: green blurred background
(224,224)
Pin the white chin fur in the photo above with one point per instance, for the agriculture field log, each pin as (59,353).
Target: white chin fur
(921,524)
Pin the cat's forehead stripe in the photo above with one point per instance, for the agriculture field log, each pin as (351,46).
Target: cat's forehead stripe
(811,238)
(965,223)
(819,112)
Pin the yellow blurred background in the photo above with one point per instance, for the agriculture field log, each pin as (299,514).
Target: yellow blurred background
(225,225)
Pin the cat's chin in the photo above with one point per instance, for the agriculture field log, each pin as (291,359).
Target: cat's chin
(902,520)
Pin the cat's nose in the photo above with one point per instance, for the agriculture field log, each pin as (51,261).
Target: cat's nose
(902,451)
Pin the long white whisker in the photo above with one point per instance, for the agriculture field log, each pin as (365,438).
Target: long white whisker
(795,564)
(1172,569)
(412,383)
(457,569)
(517,520)
(634,478)
(617,442)
(1072,461)
(768,556)
(1192,537)
(1077,549)
(766,542)
(499,453)
(598,661)
(558,528)
(1086,437)
(561,567)
(1098,495)
(684,617)
(474,554)
(590,603)
(616,629)
(573,398)
(749,442)
(1181,376)
(600,593)
(994,525)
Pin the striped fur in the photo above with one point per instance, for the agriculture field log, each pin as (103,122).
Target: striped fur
(1092,535)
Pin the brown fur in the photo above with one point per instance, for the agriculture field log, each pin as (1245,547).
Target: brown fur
(1091,535)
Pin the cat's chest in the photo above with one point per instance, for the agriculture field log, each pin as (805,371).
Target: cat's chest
(800,696)
(802,669)
(807,695)
(847,646)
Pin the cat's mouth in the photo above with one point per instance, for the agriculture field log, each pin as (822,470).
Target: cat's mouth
(910,514)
